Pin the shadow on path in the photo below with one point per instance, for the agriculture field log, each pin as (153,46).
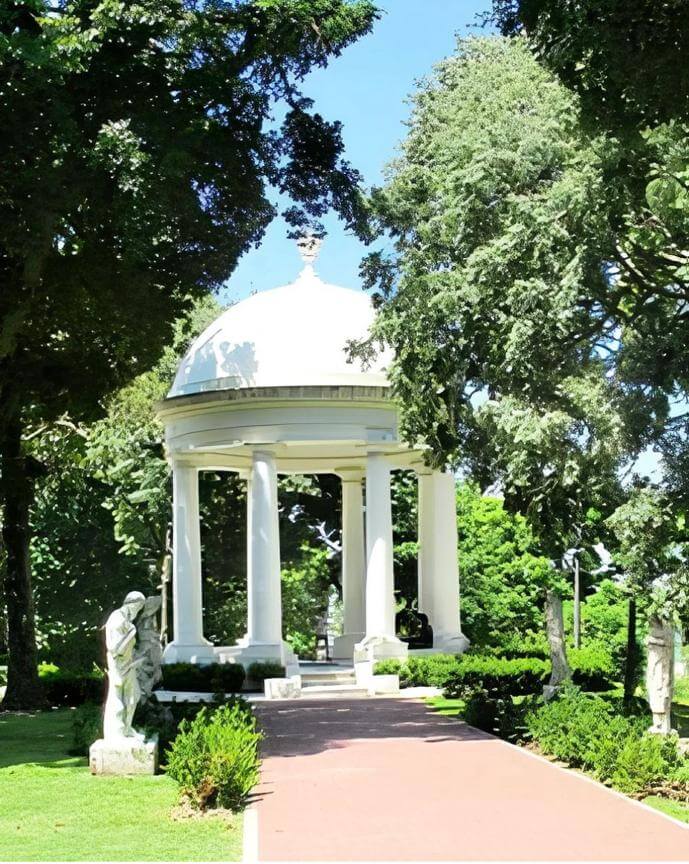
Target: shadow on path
(304,727)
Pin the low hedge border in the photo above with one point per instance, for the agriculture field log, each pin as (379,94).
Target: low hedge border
(460,675)
(208,678)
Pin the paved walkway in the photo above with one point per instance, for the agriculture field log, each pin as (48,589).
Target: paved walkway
(389,779)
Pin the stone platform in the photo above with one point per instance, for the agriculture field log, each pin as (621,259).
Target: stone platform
(124,756)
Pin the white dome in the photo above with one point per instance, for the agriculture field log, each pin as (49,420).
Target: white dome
(291,336)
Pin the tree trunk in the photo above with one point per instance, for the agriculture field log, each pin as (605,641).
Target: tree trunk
(560,671)
(23,687)
(631,657)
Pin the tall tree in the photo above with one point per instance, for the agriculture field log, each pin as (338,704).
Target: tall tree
(626,62)
(138,150)
(497,212)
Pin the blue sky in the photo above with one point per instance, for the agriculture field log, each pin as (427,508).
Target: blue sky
(366,89)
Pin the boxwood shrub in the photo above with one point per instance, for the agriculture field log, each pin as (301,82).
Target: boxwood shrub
(209,678)
(461,675)
(64,688)
(266,669)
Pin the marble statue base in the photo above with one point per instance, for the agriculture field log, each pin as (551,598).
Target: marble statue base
(123,756)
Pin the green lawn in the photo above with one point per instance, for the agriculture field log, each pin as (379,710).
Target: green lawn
(446,707)
(54,810)
(671,808)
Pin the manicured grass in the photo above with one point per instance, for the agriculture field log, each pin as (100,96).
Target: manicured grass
(446,707)
(671,808)
(54,810)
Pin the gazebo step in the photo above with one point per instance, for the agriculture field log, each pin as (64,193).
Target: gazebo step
(332,680)
(334,690)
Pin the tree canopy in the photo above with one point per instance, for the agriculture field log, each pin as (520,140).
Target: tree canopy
(139,150)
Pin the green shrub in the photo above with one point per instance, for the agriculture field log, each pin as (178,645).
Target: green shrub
(387,667)
(496,675)
(87,727)
(182,676)
(214,758)
(62,687)
(226,677)
(266,669)
(584,731)
(593,667)
(209,678)
(642,760)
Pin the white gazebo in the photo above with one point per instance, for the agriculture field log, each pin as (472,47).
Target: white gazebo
(268,389)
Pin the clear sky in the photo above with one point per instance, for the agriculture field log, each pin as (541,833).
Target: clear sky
(366,89)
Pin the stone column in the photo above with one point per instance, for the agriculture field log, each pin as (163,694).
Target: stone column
(438,565)
(188,644)
(380,640)
(263,553)
(353,566)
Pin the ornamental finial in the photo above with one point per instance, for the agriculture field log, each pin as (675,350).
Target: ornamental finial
(309,246)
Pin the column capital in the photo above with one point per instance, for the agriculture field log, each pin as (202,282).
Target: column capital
(351,475)
(262,452)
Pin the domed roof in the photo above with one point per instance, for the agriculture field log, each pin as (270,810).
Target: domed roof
(295,335)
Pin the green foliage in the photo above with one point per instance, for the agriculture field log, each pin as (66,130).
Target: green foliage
(496,675)
(465,674)
(502,575)
(498,714)
(138,150)
(214,758)
(64,687)
(305,589)
(497,213)
(604,622)
(260,671)
(87,727)
(207,678)
(652,552)
(593,667)
(387,667)
(625,59)
(584,731)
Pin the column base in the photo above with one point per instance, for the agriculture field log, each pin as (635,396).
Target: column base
(373,648)
(246,653)
(449,643)
(200,652)
(343,646)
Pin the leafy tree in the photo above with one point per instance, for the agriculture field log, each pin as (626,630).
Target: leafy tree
(651,554)
(502,574)
(626,59)
(497,215)
(626,63)
(138,151)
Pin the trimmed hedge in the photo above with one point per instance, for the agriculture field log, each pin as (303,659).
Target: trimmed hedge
(209,678)
(266,669)
(64,688)
(461,675)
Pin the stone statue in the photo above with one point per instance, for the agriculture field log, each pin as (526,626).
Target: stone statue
(123,684)
(560,671)
(660,674)
(148,648)
(122,750)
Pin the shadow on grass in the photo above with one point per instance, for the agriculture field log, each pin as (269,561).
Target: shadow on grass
(42,738)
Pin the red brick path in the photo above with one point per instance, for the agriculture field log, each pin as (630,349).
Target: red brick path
(389,779)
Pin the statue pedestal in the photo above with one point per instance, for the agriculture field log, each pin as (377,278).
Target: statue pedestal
(118,756)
